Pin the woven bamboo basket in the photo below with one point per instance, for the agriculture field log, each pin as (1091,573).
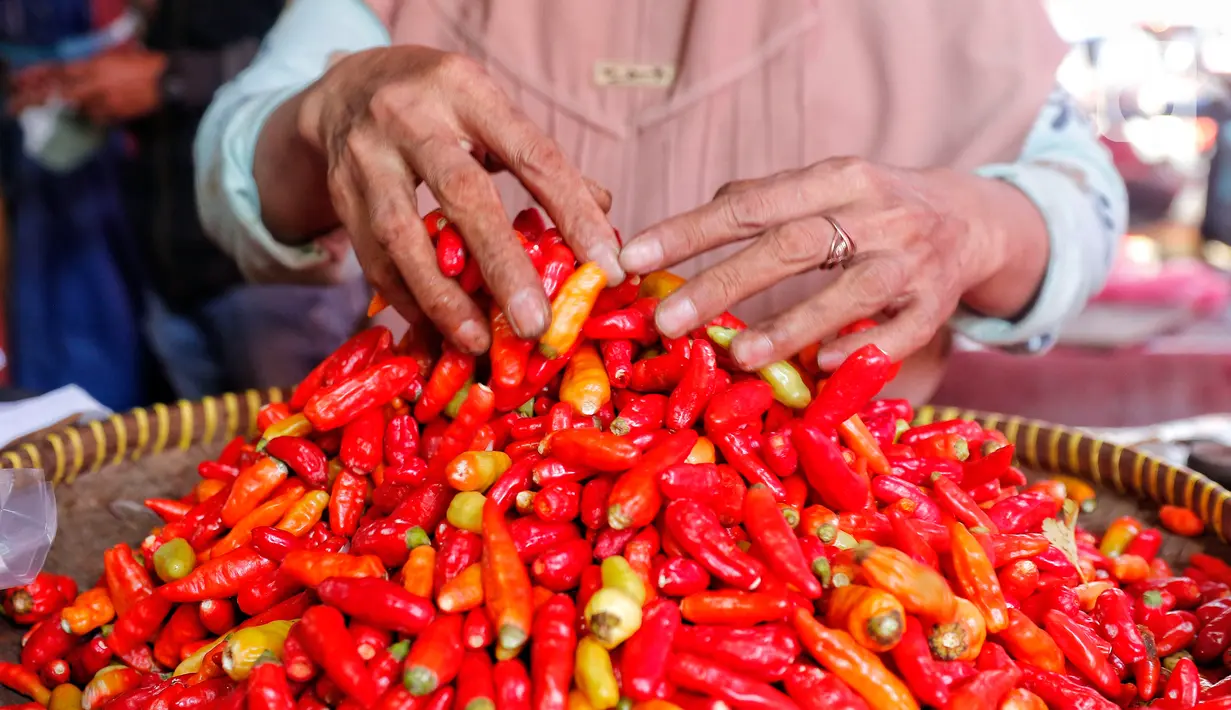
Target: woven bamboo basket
(153,452)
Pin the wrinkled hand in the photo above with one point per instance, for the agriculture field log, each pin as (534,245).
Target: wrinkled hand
(915,258)
(387,119)
(33,86)
(116,86)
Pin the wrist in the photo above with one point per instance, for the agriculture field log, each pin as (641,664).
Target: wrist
(1007,244)
(285,148)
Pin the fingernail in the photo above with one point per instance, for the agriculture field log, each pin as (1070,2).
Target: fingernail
(641,255)
(528,313)
(829,360)
(471,336)
(609,260)
(752,350)
(675,316)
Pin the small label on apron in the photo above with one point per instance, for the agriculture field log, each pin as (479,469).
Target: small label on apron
(627,74)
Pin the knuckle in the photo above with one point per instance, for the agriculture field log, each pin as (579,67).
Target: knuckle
(453,65)
(390,222)
(878,281)
(728,284)
(540,153)
(748,210)
(793,244)
(386,103)
(464,184)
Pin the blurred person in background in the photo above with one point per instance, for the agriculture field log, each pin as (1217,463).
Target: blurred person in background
(210,331)
(921,145)
(74,291)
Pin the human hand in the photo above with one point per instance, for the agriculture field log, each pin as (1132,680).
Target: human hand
(387,119)
(116,86)
(33,86)
(919,248)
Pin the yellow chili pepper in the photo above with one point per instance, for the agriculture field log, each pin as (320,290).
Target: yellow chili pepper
(65,697)
(786,382)
(192,664)
(585,385)
(702,451)
(247,645)
(305,513)
(1079,492)
(570,309)
(108,684)
(466,511)
(659,284)
(294,425)
(595,676)
(1119,534)
(619,574)
(612,617)
(477,470)
(90,611)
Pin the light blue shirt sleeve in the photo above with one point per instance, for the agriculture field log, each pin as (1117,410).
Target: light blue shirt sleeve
(296,52)
(1072,180)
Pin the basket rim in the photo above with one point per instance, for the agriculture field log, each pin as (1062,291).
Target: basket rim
(131,436)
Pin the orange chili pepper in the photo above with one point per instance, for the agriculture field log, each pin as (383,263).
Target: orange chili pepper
(462,593)
(252,486)
(976,576)
(585,385)
(702,452)
(1052,488)
(856,436)
(267,513)
(962,638)
(1028,643)
(207,488)
(1130,568)
(1088,593)
(920,588)
(818,521)
(418,570)
(509,354)
(659,284)
(108,684)
(570,309)
(1079,491)
(873,617)
(506,584)
(1181,521)
(89,611)
(311,567)
(377,304)
(855,665)
(1022,699)
(21,680)
(477,470)
(305,513)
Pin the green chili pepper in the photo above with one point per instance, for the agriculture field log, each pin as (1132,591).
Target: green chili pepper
(174,560)
(783,378)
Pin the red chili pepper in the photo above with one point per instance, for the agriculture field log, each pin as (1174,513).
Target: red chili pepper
(373,387)
(644,659)
(329,644)
(639,413)
(303,457)
(660,373)
(1023,513)
(890,489)
(921,470)
(737,449)
(704,676)
(448,378)
(560,500)
(38,600)
(840,487)
(1081,647)
(559,569)
(986,469)
(698,530)
(763,652)
(689,398)
(456,550)
(850,387)
(765,524)
(268,688)
(533,536)
(512,685)
(618,360)
(363,441)
(680,577)
(378,602)
(1060,691)
(138,624)
(552,649)
(218,578)
(908,539)
(1113,611)
(960,505)
(814,689)
(1185,591)
(1184,687)
(635,498)
(740,406)
(1173,631)
(636,322)
(717,486)
(778,451)
(594,449)
(923,674)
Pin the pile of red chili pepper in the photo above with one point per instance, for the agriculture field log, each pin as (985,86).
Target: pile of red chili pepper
(606,519)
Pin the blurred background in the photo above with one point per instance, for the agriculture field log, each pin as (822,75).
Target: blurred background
(84,198)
